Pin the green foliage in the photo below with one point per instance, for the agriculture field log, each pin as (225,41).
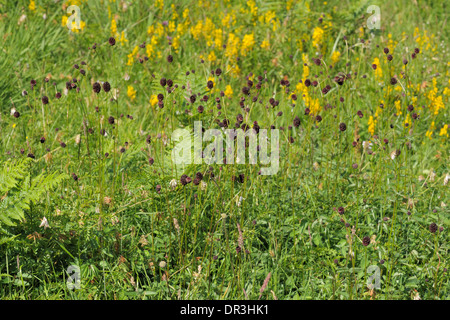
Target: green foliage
(19,190)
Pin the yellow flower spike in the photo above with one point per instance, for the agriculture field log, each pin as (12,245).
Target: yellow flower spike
(407,122)
(335,57)
(317,36)
(378,70)
(113,27)
(212,56)
(131,92)
(371,124)
(123,40)
(398,107)
(172,27)
(153,100)
(228,91)
(247,43)
(443,131)
(159,4)
(32,5)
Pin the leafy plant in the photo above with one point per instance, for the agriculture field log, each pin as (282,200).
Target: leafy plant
(19,190)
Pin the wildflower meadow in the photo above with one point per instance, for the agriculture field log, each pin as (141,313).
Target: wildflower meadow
(224,150)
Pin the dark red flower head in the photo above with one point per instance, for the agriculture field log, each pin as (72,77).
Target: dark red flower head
(96,87)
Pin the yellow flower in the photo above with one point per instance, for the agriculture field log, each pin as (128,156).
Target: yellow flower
(231,50)
(176,44)
(185,13)
(131,93)
(153,99)
(159,4)
(335,57)
(398,107)
(196,31)
(212,57)
(122,38)
(113,27)
(32,5)
(253,7)
(247,43)
(289,5)
(371,124)
(172,27)
(407,120)
(378,71)
(64,21)
(305,68)
(361,32)
(132,54)
(437,105)
(429,133)
(265,44)
(317,36)
(443,131)
(228,91)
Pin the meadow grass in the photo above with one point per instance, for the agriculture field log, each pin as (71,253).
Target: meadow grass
(87,176)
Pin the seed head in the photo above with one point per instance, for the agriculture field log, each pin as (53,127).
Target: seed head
(96,87)
(433,227)
(106,86)
(366,241)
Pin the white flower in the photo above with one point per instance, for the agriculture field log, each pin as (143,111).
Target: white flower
(13,110)
(367,145)
(173,184)
(446,179)
(203,185)
(44,223)
(21,19)
(432,175)
(392,155)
